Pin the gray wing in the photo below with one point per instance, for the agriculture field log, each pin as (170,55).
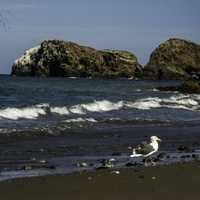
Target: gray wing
(144,149)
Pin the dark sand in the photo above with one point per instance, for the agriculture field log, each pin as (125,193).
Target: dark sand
(167,182)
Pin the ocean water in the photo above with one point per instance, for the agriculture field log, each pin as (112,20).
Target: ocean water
(31,103)
(60,119)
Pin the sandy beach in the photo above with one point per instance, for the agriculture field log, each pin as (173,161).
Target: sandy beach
(99,100)
(179,181)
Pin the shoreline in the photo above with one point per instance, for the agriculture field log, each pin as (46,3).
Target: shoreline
(180,181)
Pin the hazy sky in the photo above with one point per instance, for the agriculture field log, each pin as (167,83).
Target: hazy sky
(134,25)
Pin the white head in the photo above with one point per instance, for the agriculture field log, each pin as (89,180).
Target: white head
(155,138)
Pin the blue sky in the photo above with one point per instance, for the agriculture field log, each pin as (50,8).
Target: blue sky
(135,25)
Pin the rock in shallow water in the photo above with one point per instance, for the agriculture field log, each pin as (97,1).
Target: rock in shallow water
(188,87)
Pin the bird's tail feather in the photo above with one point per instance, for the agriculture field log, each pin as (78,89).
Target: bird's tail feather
(135,155)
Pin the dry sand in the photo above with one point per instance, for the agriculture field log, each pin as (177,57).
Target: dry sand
(175,182)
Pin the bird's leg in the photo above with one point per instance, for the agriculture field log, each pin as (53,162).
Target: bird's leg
(147,161)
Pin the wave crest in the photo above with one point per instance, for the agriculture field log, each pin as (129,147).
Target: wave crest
(17,113)
(186,102)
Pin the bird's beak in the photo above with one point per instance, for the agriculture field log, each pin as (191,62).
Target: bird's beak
(159,140)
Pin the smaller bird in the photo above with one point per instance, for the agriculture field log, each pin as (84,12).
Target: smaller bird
(146,149)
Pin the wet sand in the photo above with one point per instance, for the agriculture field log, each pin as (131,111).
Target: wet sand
(175,182)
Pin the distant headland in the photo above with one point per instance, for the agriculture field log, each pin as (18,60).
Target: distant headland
(175,59)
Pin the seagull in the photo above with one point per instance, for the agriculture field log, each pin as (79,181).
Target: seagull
(145,149)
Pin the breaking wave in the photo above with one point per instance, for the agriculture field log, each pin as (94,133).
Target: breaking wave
(99,106)
(60,110)
(17,113)
(81,120)
(186,102)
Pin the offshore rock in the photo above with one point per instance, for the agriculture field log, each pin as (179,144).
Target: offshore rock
(187,87)
(67,59)
(174,59)
(190,86)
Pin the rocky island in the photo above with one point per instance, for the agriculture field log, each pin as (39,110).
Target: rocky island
(174,59)
(67,59)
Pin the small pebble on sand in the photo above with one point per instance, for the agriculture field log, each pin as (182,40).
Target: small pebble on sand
(115,172)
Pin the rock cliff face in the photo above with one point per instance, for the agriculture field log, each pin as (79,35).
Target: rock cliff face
(59,58)
(174,59)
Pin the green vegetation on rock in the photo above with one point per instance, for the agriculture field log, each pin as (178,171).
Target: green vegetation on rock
(174,59)
(60,58)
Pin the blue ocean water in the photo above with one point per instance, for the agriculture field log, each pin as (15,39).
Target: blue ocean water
(31,103)
(67,120)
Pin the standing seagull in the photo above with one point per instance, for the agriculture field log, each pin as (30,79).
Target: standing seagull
(145,149)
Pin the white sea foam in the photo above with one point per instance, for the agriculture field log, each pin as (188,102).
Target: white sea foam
(182,100)
(81,120)
(77,109)
(178,107)
(96,106)
(178,102)
(186,102)
(102,106)
(196,97)
(43,105)
(145,104)
(19,113)
(60,110)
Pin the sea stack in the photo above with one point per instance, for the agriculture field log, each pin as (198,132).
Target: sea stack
(174,59)
(66,59)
